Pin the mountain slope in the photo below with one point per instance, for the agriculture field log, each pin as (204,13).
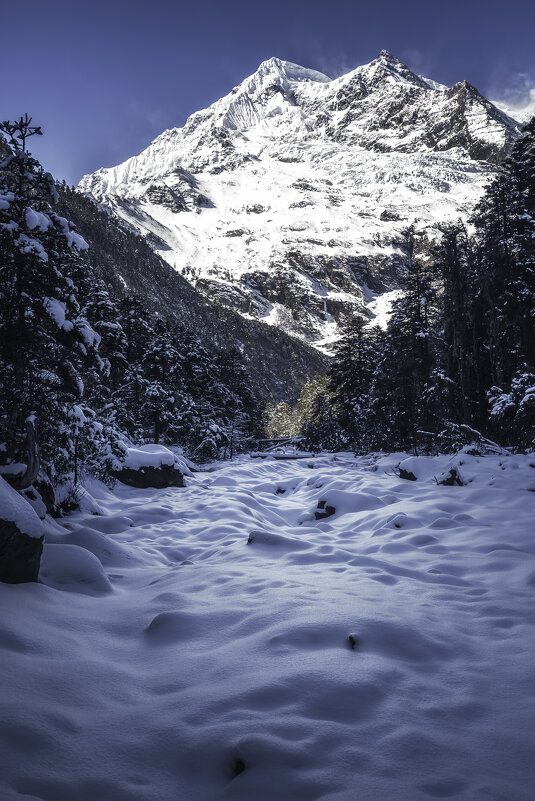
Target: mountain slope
(278,364)
(287,199)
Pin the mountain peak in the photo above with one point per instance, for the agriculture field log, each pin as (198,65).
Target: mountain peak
(386,55)
(271,64)
(387,66)
(466,89)
(290,71)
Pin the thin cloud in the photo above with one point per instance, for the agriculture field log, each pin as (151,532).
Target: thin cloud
(418,61)
(514,93)
(336,65)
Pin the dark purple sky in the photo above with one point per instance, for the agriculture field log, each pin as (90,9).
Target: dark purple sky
(105,77)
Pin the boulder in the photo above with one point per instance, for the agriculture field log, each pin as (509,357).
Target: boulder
(148,476)
(21,537)
(152,466)
(323,510)
(408,475)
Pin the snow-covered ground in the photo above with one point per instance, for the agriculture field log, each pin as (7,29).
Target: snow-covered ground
(219,642)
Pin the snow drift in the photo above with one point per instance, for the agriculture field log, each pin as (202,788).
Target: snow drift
(217,641)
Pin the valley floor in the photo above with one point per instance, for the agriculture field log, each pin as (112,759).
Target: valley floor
(219,642)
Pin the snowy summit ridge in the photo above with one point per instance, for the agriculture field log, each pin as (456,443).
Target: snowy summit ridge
(287,199)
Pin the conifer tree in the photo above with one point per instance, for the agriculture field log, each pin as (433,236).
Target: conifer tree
(46,345)
(456,357)
(350,378)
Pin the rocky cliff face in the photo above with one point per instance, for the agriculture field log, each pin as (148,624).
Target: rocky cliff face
(287,199)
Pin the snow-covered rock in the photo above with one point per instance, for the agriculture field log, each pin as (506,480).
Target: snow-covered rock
(21,537)
(152,466)
(287,199)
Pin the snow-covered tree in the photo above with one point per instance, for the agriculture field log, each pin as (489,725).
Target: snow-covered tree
(47,347)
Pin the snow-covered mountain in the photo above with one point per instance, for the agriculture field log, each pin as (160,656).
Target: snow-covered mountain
(288,198)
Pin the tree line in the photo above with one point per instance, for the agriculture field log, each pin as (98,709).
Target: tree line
(84,374)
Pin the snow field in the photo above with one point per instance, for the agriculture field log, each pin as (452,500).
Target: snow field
(220,642)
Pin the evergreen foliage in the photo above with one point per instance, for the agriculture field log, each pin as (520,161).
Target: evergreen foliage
(85,374)
(48,350)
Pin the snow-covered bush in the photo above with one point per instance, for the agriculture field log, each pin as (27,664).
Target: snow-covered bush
(513,412)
